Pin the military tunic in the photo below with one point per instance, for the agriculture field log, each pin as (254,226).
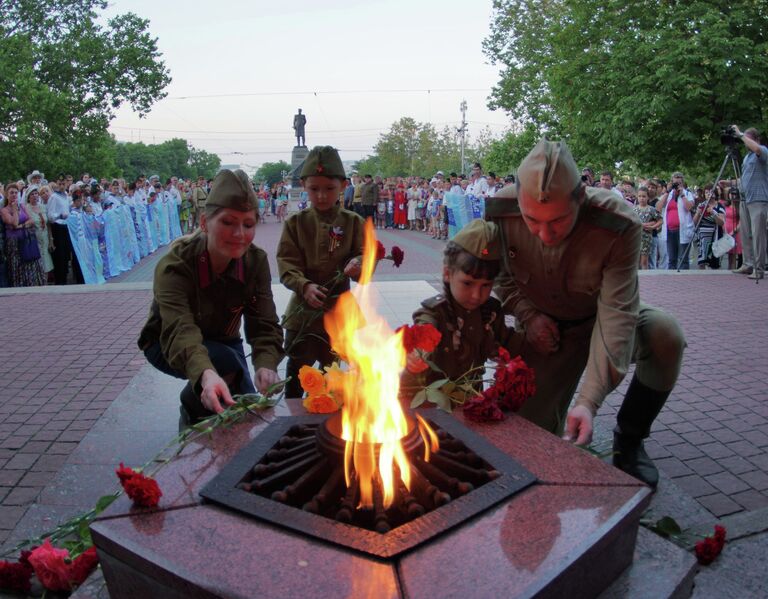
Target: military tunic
(468,338)
(314,247)
(191,305)
(588,285)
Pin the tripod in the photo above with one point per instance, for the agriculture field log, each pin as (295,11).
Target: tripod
(733,157)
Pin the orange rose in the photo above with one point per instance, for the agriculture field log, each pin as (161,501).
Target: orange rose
(311,380)
(320,404)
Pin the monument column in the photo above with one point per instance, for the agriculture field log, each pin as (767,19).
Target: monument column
(298,155)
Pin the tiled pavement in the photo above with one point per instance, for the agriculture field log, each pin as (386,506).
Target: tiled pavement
(66,354)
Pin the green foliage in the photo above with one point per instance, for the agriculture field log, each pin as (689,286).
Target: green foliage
(63,77)
(411,148)
(505,154)
(174,157)
(648,84)
(272,172)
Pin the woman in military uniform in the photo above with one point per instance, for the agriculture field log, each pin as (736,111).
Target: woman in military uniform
(319,251)
(203,288)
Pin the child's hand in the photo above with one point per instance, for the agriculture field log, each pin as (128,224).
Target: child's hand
(414,363)
(314,295)
(352,269)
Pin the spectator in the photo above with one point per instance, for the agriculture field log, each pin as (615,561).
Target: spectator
(21,272)
(606,182)
(754,211)
(36,211)
(710,216)
(677,204)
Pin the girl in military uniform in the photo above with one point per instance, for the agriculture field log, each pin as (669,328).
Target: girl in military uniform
(203,288)
(319,251)
(470,321)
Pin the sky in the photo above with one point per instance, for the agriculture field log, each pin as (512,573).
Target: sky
(241,70)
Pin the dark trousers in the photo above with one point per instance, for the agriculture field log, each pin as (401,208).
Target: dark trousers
(228,359)
(304,352)
(62,256)
(675,251)
(368,211)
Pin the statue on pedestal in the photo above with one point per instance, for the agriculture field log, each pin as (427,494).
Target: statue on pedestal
(299,120)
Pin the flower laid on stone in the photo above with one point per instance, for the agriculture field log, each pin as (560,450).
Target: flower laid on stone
(710,547)
(514,383)
(320,388)
(52,566)
(15,577)
(143,491)
(381,251)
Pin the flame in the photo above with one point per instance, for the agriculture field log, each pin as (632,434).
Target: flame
(372,415)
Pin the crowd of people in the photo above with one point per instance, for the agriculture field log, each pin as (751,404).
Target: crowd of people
(65,231)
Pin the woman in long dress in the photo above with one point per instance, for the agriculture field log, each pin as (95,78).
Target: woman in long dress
(20,272)
(36,212)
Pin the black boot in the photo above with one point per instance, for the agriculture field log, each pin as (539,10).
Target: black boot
(191,409)
(633,424)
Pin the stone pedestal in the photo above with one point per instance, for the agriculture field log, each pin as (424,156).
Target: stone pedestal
(298,155)
(568,535)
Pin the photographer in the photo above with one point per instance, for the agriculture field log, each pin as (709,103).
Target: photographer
(754,207)
(676,204)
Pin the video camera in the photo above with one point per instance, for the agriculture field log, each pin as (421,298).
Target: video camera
(728,136)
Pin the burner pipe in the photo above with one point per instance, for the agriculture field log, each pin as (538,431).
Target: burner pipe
(273,482)
(298,491)
(330,489)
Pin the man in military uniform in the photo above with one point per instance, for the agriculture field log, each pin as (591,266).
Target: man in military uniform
(319,251)
(470,321)
(199,196)
(569,276)
(204,287)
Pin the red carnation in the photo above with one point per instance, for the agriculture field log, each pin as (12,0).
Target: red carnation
(420,336)
(82,566)
(143,491)
(15,576)
(397,256)
(516,383)
(51,567)
(124,473)
(381,251)
(710,547)
(483,408)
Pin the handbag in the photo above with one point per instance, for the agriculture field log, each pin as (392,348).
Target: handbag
(29,250)
(722,246)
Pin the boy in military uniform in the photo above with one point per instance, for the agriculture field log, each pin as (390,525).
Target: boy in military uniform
(470,321)
(569,276)
(203,288)
(319,251)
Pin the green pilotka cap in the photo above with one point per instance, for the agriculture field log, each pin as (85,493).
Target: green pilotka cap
(548,172)
(232,189)
(481,239)
(323,161)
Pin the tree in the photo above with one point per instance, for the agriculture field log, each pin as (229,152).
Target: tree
(648,83)
(63,77)
(203,163)
(175,157)
(505,154)
(272,172)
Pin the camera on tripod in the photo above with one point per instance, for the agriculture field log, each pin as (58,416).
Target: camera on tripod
(728,136)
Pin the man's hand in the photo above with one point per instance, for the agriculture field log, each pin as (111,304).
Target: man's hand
(542,333)
(578,426)
(264,379)
(353,268)
(215,392)
(314,295)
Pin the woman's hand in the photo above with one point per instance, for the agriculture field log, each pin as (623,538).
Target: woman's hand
(264,379)
(314,295)
(215,396)
(353,268)
(415,363)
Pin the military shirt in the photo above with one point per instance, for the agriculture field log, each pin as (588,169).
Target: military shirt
(468,337)
(313,248)
(369,194)
(592,274)
(192,304)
